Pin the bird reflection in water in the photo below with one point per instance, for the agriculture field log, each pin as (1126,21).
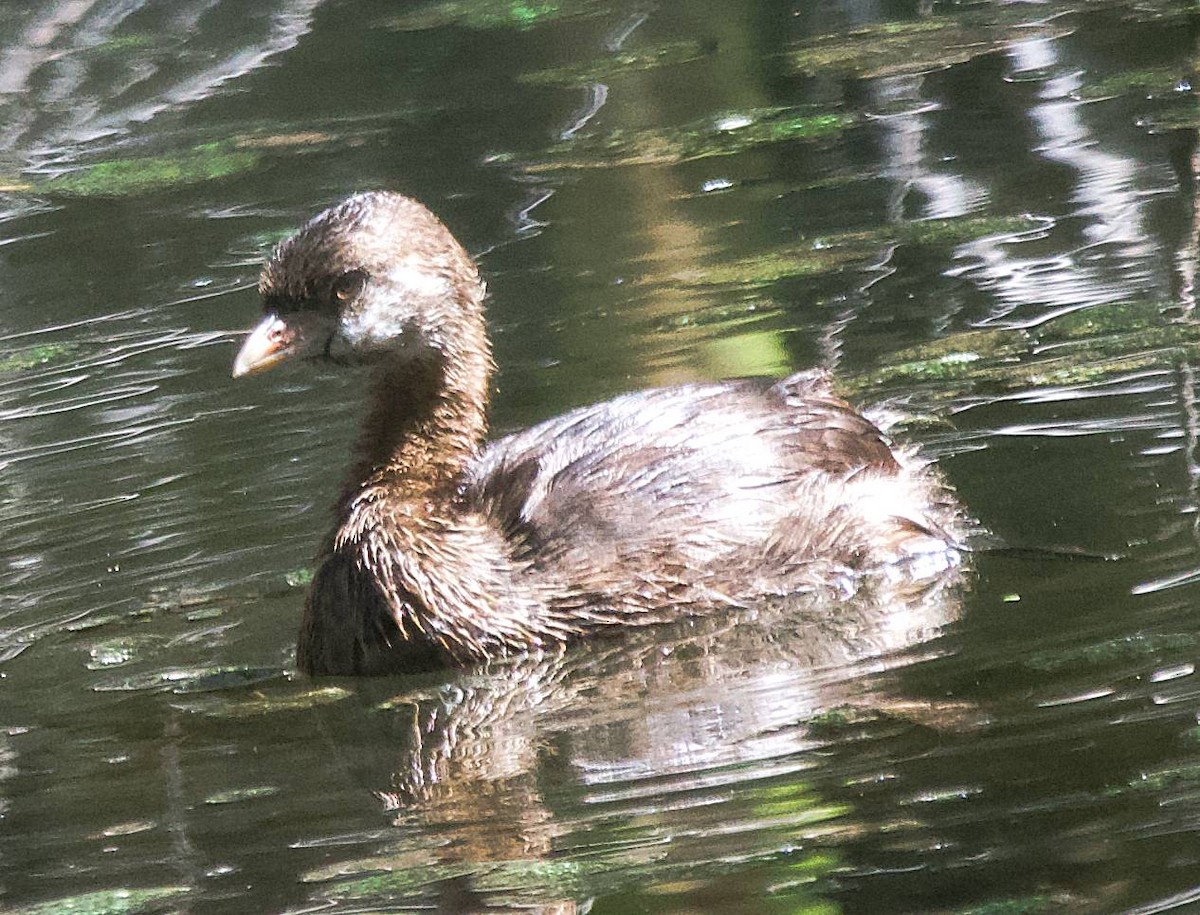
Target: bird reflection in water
(535,783)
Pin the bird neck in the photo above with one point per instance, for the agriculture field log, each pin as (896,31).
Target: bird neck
(426,420)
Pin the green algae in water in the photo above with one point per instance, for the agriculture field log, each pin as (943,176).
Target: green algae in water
(209,161)
(1105,340)
(781,264)
(504,883)
(796,802)
(1102,654)
(107,902)
(494,14)
(891,48)
(1186,775)
(1110,318)
(606,68)
(143,174)
(298,578)
(959,357)
(958,230)
(1158,10)
(123,44)
(35,356)
(1017,371)
(810,869)
(559,875)
(1025,905)
(835,722)
(1083,368)
(120,651)
(796,127)
(227,678)
(913,47)
(831,253)
(955,356)
(264,704)
(1086,346)
(189,680)
(205,613)
(153,680)
(91,622)
(1179,114)
(1155,82)
(237,795)
(725,135)
(400,881)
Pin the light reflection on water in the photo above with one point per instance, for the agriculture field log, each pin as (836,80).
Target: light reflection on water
(1028,741)
(58,93)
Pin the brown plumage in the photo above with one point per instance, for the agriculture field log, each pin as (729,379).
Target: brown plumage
(634,511)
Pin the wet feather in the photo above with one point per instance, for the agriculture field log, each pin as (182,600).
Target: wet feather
(635,511)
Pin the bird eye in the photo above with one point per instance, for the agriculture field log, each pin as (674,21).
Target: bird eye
(347,286)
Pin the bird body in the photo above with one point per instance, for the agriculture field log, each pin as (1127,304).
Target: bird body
(638,510)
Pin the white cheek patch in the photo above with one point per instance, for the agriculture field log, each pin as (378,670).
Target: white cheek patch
(418,283)
(366,329)
(384,327)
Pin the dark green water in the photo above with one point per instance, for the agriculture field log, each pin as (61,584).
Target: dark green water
(986,213)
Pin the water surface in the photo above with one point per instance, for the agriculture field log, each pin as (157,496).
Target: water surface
(982,216)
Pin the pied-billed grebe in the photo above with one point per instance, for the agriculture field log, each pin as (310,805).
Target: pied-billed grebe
(641,509)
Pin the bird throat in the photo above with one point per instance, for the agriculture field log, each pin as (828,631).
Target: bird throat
(425,421)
